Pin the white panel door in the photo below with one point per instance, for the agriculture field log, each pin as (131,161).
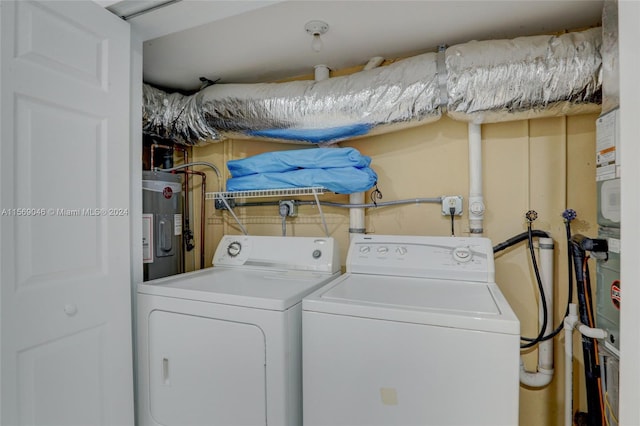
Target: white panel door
(64,231)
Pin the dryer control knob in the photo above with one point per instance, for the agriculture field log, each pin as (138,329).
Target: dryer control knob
(462,254)
(365,249)
(234,248)
(383,250)
(401,250)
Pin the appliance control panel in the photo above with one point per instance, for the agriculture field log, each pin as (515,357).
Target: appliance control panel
(285,253)
(455,258)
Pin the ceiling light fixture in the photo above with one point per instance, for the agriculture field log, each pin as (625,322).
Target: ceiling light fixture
(316,29)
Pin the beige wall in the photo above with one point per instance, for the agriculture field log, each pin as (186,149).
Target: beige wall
(545,164)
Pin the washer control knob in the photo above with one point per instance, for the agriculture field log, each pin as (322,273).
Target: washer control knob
(462,254)
(365,249)
(401,250)
(234,249)
(316,254)
(383,250)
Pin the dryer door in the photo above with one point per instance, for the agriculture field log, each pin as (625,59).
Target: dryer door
(205,371)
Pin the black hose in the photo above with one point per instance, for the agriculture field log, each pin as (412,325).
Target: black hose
(519,238)
(543,299)
(560,326)
(589,345)
(568,215)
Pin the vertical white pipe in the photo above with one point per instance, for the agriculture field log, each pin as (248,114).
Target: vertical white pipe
(569,322)
(374,62)
(356,215)
(321,72)
(545,349)
(544,374)
(476,200)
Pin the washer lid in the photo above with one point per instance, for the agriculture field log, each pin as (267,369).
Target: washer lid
(458,304)
(267,289)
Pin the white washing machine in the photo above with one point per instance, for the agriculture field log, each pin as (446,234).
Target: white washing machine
(222,346)
(415,333)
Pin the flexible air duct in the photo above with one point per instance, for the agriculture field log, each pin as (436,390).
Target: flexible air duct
(527,77)
(488,81)
(327,111)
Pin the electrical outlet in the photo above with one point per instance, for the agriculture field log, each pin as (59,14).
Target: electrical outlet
(220,205)
(288,207)
(452,201)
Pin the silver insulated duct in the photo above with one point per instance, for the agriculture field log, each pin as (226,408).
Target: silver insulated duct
(326,111)
(527,77)
(479,82)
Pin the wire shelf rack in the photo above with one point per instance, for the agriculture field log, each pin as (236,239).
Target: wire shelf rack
(264,193)
(227,199)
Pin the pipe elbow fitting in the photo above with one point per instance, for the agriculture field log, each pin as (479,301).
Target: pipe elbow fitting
(539,379)
(546,371)
(594,333)
(570,322)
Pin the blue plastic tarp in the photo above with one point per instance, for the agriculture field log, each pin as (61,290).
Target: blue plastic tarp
(329,135)
(285,161)
(342,180)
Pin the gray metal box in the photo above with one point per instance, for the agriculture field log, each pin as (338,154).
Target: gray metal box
(608,289)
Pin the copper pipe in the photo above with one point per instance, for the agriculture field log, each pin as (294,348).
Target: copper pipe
(186,220)
(155,145)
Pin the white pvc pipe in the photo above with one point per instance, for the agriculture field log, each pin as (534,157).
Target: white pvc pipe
(545,350)
(569,323)
(476,200)
(594,333)
(321,72)
(356,214)
(544,374)
(374,62)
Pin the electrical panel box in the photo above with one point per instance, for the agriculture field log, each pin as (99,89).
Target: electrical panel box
(608,290)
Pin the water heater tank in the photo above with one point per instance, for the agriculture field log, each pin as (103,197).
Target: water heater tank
(162,224)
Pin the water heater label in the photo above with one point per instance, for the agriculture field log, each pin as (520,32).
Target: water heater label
(147,238)
(167,192)
(177,224)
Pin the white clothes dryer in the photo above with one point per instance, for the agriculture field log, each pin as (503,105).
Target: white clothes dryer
(222,346)
(415,333)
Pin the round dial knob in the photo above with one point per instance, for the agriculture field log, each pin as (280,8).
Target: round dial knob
(234,249)
(365,249)
(462,254)
(401,251)
(383,250)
